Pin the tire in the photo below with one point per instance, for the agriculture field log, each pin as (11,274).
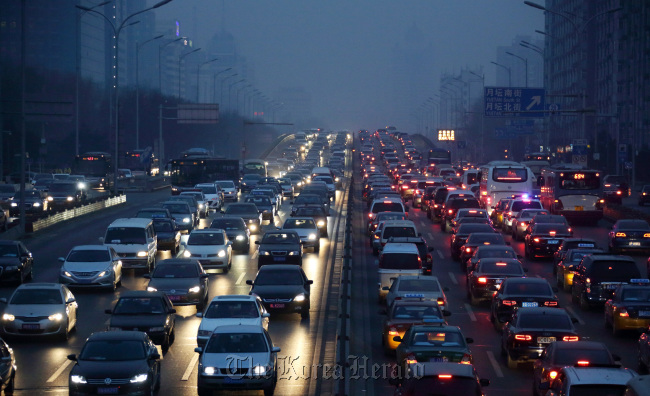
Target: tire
(166,344)
(11,385)
(512,364)
(204,391)
(317,248)
(304,313)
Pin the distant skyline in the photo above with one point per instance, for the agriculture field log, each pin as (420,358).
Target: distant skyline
(338,50)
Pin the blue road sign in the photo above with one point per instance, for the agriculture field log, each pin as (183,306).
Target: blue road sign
(504,134)
(514,102)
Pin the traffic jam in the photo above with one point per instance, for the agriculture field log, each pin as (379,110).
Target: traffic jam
(492,279)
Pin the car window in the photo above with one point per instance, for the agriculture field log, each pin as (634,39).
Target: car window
(113,350)
(278,277)
(236,343)
(277,237)
(36,296)
(175,271)
(8,251)
(139,305)
(232,309)
(419,285)
(77,256)
(206,238)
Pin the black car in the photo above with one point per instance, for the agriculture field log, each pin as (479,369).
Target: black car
(35,203)
(279,247)
(168,234)
(62,195)
(236,231)
(615,188)
(565,269)
(476,239)
(572,243)
(644,195)
(248,182)
(597,277)
(16,262)
(437,202)
(248,212)
(488,251)
(264,206)
(451,208)
(490,273)
(532,329)
(283,288)
(183,280)
(459,238)
(631,235)
(116,362)
(545,239)
(154,213)
(317,212)
(516,293)
(150,312)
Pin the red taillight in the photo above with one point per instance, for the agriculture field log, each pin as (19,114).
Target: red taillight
(647,235)
(393,332)
(570,338)
(370,215)
(410,359)
(467,250)
(535,239)
(445,376)
(552,374)
(619,192)
(623,313)
(522,224)
(482,280)
(550,304)
(509,303)
(523,337)
(552,233)
(450,211)
(441,301)
(582,363)
(621,234)
(404,187)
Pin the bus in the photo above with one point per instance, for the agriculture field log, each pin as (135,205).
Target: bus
(503,179)
(537,157)
(573,192)
(141,160)
(254,166)
(438,156)
(185,173)
(536,166)
(97,166)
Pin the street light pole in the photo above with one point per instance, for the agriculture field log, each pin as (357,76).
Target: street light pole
(160,47)
(508,70)
(525,60)
(237,96)
(198,73)
(180,60)
(214,84)
(221,88)
(137,89)
(230,92)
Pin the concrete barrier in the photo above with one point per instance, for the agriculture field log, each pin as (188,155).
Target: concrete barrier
(73,213)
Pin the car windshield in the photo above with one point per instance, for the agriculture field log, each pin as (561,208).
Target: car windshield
(177,208)
(281,237)
(299,223)
(28,194)
(571,356)
(416,312)
(242,209)
(501,268)
(400,261)
(633,225)
(422,285)
(309,212)
(92,256)
(311,199)
(278,277)
(189,270)
(466,229)
(636,294)
(150,214)
(228,224)
(208,189)
(251,177)
(496,253)
(259,201)
(125,235)
(163,226)
(66,188)
(139,305)
(517,206)
(8,250)
(529,289)
(236,343)
(206,238)
(231,309)
(387,207)
(537,321)
(36,296)
(226,184)
(438,338)
(529,214)
(113,350)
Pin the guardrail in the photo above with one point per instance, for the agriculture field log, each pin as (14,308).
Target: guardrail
(143,183)
(278,141)
(75,212)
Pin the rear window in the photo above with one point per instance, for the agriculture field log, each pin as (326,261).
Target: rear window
(613,271)
(517,206)
(510,175)
(398,232)
(400,261)
(493,239)
(387,207)
(546,228)
(528,289)
(569,357)
(501,268)
(464,203)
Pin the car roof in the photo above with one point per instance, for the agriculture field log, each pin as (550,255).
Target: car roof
(399,223)
(393,247)
(234,297)
(598,375)
(90,247)
(580,345)
(141,293)
(40,285)
(436,368)
(117,335)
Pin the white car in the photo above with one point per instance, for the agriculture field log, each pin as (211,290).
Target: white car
(329,182)
(229,189)
(211,247)
(307,229)
(234,309)
(211,194)
(417,286)
(39,309)
(200,198)
(91,266)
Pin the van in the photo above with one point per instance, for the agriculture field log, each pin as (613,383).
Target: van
(134,240)
(395,260)
(397,229)
(386,205)
(322,171)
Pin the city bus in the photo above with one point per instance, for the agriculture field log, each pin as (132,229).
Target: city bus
(435,157)
(141,160)
(185,173)
(254,166)
(97,166)
(503,179)
(574,193)
(537,157)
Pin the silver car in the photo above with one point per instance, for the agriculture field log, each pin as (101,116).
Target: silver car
(39,309)
(91,266)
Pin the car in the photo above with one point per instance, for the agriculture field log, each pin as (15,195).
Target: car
(644,195)
(306,229)
(255,367)
(597,276)
(283,288)
(465,213)
(386,205)
(572,243)
(35,203)
(489,251)
(269,192)
(416,286)
(498,211)
(384,216)
(629,307)
(394,229)
(517,293)
(231,309)
(643,351)
(488,276)
(318,213)
(182,214)
(443,378)
(547,219)
(521,220)
(148,311)
(115,362)
(212,194)
(7,368)
(545,239)
(65,195)
(16,261)
(183,281)
(425,251)
(229,189)
(154,213)
(53,303)
(615,188)
(196,207)
(433,343)
(248,182)
(7,192)
(279,247)
(629,235)
(576,381)
(264,206)
(248,212)
(559,354)
(91,266)
(452,206)
(307,199)
(530,330)
(406,312)
(476,239)
(565,269)
(513,208)
(236,230)
(168,235)
(459,238)
(211,247)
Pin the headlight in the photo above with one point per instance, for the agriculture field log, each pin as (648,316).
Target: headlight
(252,227)
(139,378)
(222,253)
(299,298)
(81,186)
(142,254)
(186,219)
(312,236)
(239,238)
(320,223)
(204,333)
(259,370)
(55,317)
(195,289)
(209,370)
(78,379)
(50,198)
(8,317)
(69,199)
(264,253)
(337,179)
(103,273)
(13,204)
(151,289)
(66,273)
(251,221)
(200,206)
(36,204)
(186,253)
(294,253)
(154,329)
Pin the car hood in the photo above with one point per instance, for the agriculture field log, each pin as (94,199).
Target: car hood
(278,291)
(280,246)
(205,249)
(35,309)
(211,324)
(86,266)
(174,283)
(138,320)
(234,360)
(110,369)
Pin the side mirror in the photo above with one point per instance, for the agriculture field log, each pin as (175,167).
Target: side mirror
(146,276)
(275,349)
(199,314)
(310,282)
(249,282)
(574,320)
(469,340)
(198,350)
(203,276)
(61,259)
(72,357)
(70,300)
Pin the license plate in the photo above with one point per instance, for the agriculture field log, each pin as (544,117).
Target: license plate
(230,380)
(528,304)
(113,390)
(438,359)
(635,243)
(644,313)
(545,340)
(414,295)
(579,208)
(553,241)
(174,298)
(31,326)
(277,305)
(586,245)
(610,287)
(282,258)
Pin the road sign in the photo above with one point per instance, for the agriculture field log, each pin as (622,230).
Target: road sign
(628,165)
(514,102)
(579,159)
(553,107)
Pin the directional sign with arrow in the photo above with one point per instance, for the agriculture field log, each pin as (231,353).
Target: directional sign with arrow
(514,102)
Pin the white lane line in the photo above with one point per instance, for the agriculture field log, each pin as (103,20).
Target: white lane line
(254,256)
(572,312)
(190,367)
(470,312)
(440,254)
(241,278)
(423,224)
(430,236)
(495,364)
(58,372)
(453,278)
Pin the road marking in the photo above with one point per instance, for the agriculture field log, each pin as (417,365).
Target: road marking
(58,372)
(495,365)
(573,314)
(190,367)
(453,277)
(241,278)
(440,254)
(255,255)
(470,312)
(430,235)
(423,224)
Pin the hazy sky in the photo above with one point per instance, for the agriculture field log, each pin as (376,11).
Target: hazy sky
(339,51)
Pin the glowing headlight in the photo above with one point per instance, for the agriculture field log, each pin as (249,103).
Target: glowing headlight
(55,317)
(186,220)
(151,289)
(209,370)
(8,317)
(259,370)
(78,379)
(139,378)
(200,206)
(239,238)
(264,253)
(195,289)
(142,254)
(13,204)
(253,227)
(36,204)
(299,184)
(294,253)
(69,199)
(320,223)
(81,186)
(66,273)
(337,179)
(312,236)
(299,298)
(187,253)
(103,273)
(50,198)
(222,253)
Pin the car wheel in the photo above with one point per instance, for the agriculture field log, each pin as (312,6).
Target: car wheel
(317,248)
(204,391)
(9,389)
(166,343)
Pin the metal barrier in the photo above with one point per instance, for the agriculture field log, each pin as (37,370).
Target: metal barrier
(75,212)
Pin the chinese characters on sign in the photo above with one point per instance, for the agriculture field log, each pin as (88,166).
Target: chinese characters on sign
(514,102)
(446,134)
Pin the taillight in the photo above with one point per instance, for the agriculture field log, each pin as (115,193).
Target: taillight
(467,359)
(467,250)
(370,215)
(393,332)
(450,211)
(445,376)
(536,240)
(623,313)
(570,338)
(647,235)
(619,192)
(582,363)
(550,303)
(522,224)
(552,374)
(441,301)
(482,280)
(523,337)
(509,303)
(410,359)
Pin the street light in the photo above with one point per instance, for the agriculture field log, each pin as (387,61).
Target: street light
(214,84)
(221,88)
(137,89)
(180,60)
(116,31)
(160,47)
(508,70)
(237,96)
(198,73)
(525,63)
(483,151)
(230,92)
